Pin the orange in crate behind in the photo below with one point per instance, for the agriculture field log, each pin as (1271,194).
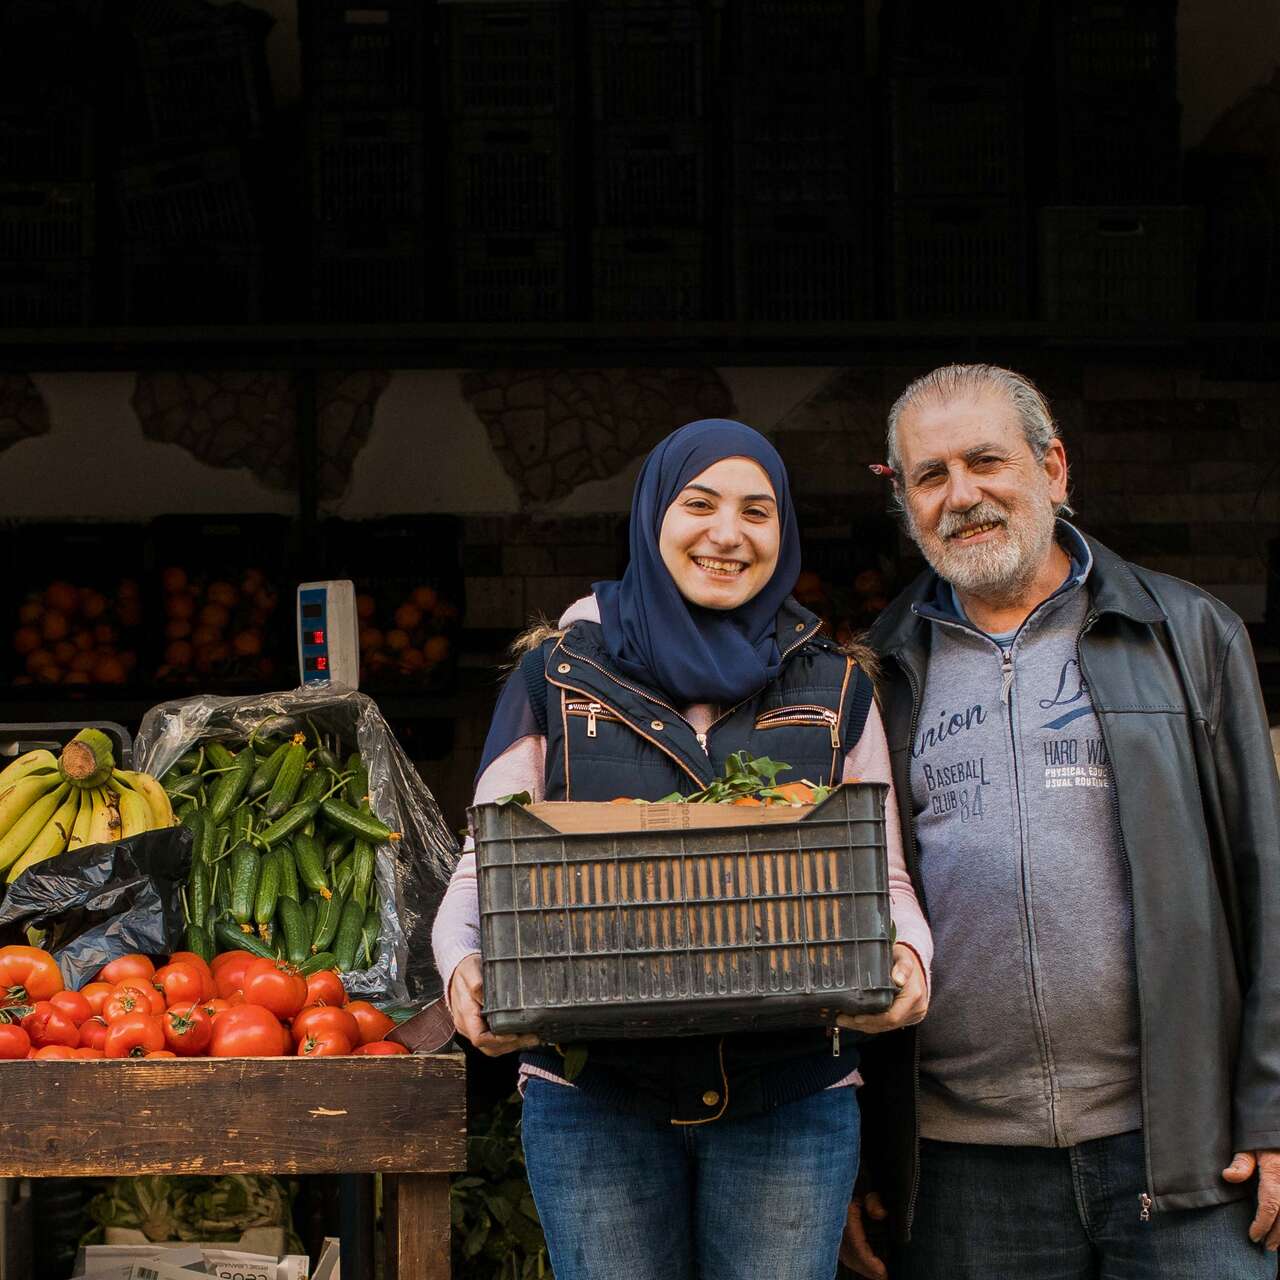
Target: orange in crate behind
(608,921)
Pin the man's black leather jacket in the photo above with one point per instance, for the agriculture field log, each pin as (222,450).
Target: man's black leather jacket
(1175,688)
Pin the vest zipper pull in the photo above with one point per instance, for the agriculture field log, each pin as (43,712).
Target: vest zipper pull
(833,721)
(702,742)
(592,708)
(835,1043)
(1144,1214)
(1006,672)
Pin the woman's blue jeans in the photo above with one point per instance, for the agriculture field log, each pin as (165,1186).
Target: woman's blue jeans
(622,1197)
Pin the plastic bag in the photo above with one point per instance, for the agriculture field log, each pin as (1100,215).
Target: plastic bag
(103,901)
(411,875)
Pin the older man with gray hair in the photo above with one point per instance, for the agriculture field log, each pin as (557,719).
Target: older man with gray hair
(1083,768)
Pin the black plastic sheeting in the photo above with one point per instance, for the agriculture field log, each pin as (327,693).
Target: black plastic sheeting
(103,902)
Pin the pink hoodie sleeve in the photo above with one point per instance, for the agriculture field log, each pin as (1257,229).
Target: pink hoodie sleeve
(456,932)
(868,761)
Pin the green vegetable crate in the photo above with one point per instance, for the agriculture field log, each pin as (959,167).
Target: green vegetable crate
(610,921)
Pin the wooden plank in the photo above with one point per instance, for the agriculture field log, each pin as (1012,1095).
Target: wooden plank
(416,1213)
(233,1115)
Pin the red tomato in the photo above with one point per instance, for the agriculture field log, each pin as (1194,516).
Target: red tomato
(96,994)
(181,983)
(162,1053)
(93,1031)
(247,1031)
(130,966)
(47,1025)
(324,1044)
(27,974)
(225,958)
(87,1051)
(374,1024)
(316,1018)
(187,1031)
(275,985)
(62,1051)
(14,1041)
(73,1004)
(229,977)
(130,998)
(190,957)
(326,987)
(212,1008)
(380,1048)
(134,1035)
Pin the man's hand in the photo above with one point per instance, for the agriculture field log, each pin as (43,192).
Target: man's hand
(909,1005)
(466,1000)
(856,1252)
(1265,1226)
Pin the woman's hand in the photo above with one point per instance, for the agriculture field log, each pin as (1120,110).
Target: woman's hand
(909,1005)
(466,1000)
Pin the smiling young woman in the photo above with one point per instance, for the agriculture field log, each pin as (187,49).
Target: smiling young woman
(708,1156)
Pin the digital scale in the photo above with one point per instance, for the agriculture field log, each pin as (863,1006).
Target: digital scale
(328,634)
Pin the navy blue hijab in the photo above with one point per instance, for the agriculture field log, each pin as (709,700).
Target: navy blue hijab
(654,634)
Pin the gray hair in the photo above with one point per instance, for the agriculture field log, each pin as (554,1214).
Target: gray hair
(954,381)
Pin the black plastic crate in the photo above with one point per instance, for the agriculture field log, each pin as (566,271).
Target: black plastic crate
(370,285)
(959,259)
(46,221)
(508,60)
(409,596)
(509,278)
(641,274)
(17,739)
(798,53)
(367,164)
(223,586)
(190,199)
(510,176)
(207,284)
(803,160)
(945,35)
(365,55)
(806,268)
(1241,273)
(1108,152)
(647,64)
(77,609)
(36,295)
(204,81)
(48,140)
(614,934)
(652,175)
(956,135)
(1122,47)
(1117,263)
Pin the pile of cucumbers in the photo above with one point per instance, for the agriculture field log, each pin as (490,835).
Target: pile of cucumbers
(284,843)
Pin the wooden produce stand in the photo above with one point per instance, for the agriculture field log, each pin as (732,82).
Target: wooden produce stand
(403,1116)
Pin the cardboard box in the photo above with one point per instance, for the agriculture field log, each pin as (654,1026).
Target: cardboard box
(572,816)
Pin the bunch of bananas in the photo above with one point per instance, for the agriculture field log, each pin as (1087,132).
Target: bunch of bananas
(52,803)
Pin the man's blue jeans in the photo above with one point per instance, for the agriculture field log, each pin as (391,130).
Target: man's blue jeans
(1039,1213)
(622,1197)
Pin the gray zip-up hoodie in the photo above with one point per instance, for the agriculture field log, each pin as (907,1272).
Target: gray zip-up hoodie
(1032,1035)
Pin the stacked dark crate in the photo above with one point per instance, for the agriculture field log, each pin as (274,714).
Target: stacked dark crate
(802,163)
(510,96)
(956,163)
(1114,244)
(652,206)
(193,121)
(47,191)
(368,81)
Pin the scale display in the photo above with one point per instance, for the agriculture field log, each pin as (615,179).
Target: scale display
(328,640)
